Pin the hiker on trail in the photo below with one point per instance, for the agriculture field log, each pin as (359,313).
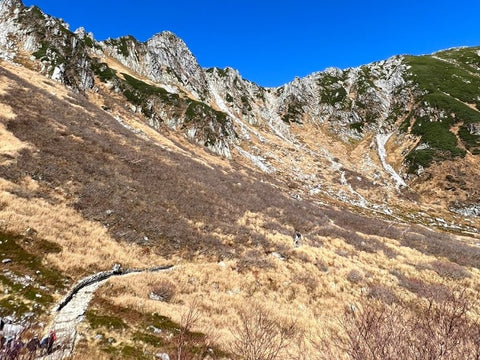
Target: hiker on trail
(51,338)
(32,346)
(44,343)
(297,238)
(47,341)
(12,350)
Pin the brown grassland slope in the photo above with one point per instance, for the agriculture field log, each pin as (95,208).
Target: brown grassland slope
(82,188)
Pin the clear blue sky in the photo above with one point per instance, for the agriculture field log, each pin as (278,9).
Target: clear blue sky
(271,42)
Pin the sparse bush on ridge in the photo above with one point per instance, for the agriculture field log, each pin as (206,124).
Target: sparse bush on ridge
(163,290)
(449,270)
(259,335)
(436,292)
(255,258)
(423,330)
(382,293)
(306,279)
(355,276)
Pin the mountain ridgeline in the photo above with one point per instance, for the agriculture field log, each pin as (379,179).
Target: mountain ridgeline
(408,126)
(292,216)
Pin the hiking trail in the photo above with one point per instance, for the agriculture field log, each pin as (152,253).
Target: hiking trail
(70,310)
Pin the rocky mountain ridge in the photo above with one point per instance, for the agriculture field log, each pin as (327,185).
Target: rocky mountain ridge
(335,195)
(384,136)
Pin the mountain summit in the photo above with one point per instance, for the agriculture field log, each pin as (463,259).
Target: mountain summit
(407,126)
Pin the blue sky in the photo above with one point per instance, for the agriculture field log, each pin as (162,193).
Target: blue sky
(271,42)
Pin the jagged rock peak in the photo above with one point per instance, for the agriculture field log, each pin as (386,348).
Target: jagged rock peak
(333,71)
(167,35)
(168,40)
(82,33)
(228,71)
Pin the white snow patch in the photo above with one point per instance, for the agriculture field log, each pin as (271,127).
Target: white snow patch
(381,141)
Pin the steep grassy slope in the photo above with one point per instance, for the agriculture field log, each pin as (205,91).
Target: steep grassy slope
(366,163)
(100,188)
(353,136)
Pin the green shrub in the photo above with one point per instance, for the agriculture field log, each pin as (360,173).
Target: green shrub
(110,322)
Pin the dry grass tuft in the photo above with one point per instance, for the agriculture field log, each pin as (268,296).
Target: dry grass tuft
(103,194)
(164,290)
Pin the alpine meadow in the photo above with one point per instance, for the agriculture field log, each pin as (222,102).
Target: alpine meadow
(151,208)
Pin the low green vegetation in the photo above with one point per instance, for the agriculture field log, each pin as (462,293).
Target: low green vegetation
(26,279)
(246,103)
(358,126)
(30,260)
(209,122)
(449,90)
(103,71)
(121,44)
(467,58)
(138,91)
(332,90)
(36,12)
(471,141)
(110,322)
(439,76)
(437,135)
(140,333)
(293,114)
(33,14)
(42,52)
(88,42)
(333,95)
(417,158)
(364,82)
(123,351)
(198,112)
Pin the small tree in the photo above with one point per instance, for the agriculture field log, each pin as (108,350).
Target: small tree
(432,329)
(191,345)
(261,336)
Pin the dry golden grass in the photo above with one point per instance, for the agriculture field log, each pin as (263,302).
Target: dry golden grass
(294,288)
(86,245)
(9,144)
(231,234)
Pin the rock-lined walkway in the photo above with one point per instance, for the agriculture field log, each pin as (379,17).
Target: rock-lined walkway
(70,311)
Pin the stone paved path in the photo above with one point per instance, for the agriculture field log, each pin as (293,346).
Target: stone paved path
(70,311)
(67,319)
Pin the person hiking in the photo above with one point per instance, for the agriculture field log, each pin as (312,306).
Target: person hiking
(51,339)
(32,346)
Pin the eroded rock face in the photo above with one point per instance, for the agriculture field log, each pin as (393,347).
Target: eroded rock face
(331,96)
(9,10)
(163,59)
(387,110)
(29,30)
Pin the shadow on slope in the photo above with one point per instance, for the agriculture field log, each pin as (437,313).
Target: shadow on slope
(148,194)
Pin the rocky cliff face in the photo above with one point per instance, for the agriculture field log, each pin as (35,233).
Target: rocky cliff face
(163,59)
(62,55)
(391,125)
